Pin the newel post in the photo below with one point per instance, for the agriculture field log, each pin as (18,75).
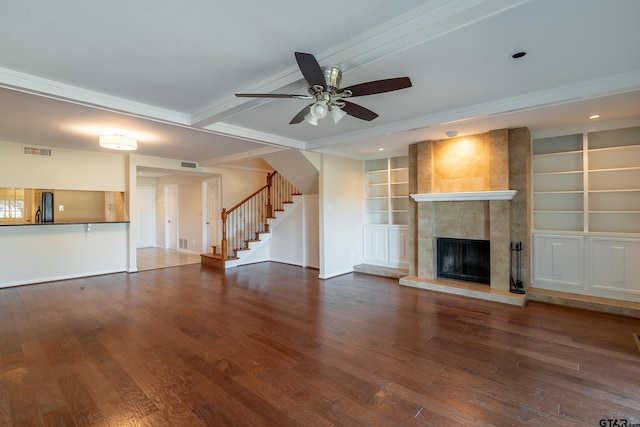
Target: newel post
(224,234)
(269,206)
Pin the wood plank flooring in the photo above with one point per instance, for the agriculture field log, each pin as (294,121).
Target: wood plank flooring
(271,345)
(152,258)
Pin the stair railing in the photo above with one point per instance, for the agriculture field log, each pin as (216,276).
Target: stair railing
(243,222)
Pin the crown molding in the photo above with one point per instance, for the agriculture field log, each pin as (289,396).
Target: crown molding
(260,152)
(27,83)
(254,135)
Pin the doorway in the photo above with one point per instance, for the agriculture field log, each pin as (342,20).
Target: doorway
(171,216)
(211,202)
(146,217)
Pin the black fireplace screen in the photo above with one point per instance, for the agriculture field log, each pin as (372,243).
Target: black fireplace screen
(464,259)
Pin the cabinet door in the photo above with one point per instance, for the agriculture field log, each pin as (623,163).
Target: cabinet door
(398,246)
(615,266)
(376,248)
(558,261)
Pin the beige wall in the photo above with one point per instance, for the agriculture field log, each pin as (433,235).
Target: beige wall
(64,170)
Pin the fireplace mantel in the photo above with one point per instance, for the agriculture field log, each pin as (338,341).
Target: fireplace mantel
(465,196)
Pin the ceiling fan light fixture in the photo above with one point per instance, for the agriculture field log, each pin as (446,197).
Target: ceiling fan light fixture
(337,114)
(319,110)
(118,142)
(311,119)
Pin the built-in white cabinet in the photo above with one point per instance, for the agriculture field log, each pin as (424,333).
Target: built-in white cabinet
(386,216)
(559,261)
(588,264)
(386,245)
(586,213)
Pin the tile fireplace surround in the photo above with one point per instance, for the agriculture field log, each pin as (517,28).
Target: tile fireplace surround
(473,187)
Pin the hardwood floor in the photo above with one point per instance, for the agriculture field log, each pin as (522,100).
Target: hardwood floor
(152,258)
(270,344)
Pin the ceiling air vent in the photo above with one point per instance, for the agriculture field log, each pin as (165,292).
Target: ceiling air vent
(37,151)
(191,165)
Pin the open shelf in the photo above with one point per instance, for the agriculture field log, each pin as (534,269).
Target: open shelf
(387,191)
(608,188)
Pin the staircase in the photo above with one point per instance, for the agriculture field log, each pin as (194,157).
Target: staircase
(246,225)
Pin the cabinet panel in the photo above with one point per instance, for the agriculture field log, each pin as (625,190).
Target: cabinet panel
(615,266)
(376,244)
(398,245)
(558,260)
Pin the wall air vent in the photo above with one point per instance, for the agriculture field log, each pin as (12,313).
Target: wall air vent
(37,151)
(182,244)
(191,165)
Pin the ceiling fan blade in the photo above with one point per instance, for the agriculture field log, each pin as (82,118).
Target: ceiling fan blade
(301,115)
(358,111)
(272,95)
(378,86)
(310,69)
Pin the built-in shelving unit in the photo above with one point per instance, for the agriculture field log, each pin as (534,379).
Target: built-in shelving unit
(386,216)
(387,191)
(586,213)
(614,181)
(588,182)
(558,183)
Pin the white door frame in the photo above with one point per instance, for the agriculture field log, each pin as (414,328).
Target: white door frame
(154,238)
(168,209)
(207,186)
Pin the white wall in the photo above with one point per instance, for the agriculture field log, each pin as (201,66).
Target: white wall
(46,252)
(189,209)
(311,216)
(341,215)
(294,237)
(236,184)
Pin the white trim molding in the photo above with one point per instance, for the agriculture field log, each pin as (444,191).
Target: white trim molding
(465,196)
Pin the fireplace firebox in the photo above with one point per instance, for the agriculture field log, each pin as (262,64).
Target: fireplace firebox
(463,259)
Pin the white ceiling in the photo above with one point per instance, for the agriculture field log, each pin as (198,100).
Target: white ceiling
(166,71)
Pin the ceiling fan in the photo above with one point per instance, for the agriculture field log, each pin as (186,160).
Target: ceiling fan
(323,85)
